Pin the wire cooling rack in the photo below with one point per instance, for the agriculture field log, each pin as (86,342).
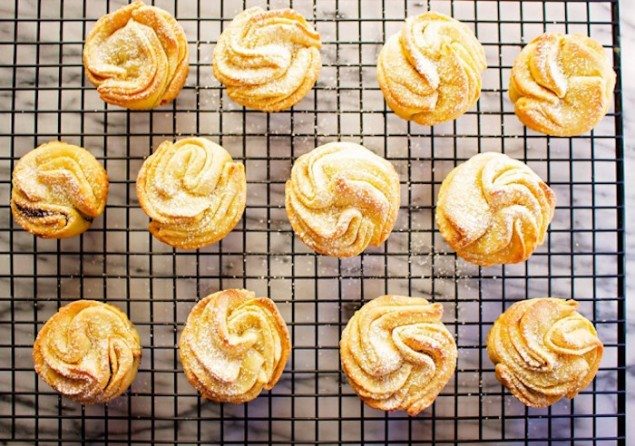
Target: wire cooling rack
(46,96)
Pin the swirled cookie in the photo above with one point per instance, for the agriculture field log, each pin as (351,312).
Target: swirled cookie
(562,84)
(58,189)
(544,350)
(493,209)
(430,71)
(233,346)
(397,354)
(268,60)
(193,191)
(137,57)
(88,351)
(341,197)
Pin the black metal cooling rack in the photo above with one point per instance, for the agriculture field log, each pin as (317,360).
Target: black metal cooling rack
(45,96)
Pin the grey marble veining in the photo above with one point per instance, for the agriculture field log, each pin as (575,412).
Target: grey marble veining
(157,286)
(627,24)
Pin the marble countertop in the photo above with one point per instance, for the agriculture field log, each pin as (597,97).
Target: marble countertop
(125,266)
(627,25)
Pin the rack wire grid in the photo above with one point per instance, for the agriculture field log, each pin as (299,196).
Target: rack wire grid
(45,96)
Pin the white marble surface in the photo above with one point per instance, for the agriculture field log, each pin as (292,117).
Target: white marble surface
(627,24)
(142,283)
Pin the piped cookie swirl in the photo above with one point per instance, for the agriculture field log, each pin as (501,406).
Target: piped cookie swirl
(493,209)
(268,60)
(234,346)
(430,71)
(342,198)
(397,354)
(58,189)
(193,191)
(137,56)
(544,350)
(88,351)
(562,84)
